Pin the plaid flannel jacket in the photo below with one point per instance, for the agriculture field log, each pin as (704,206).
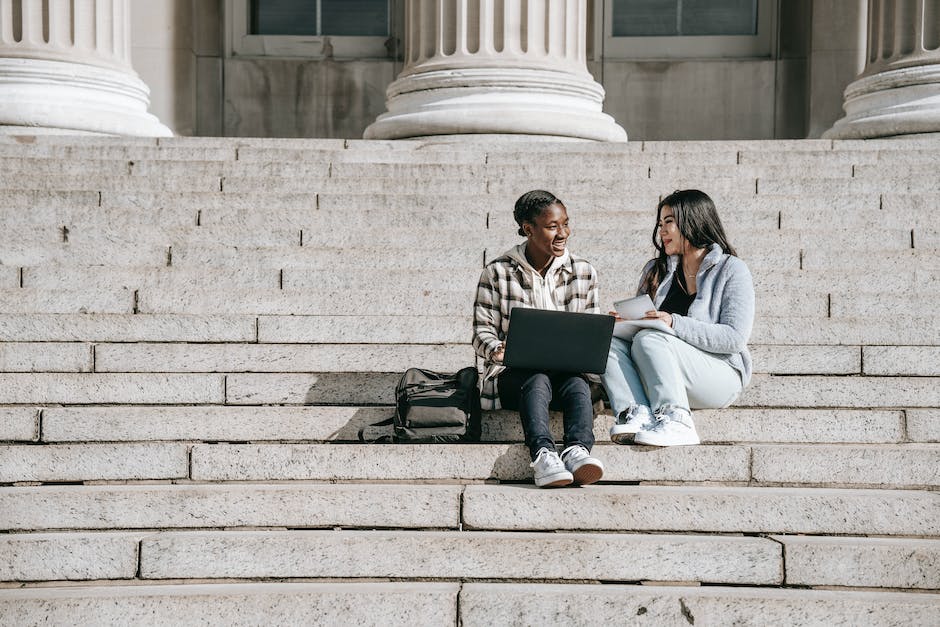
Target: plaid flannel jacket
(505,284)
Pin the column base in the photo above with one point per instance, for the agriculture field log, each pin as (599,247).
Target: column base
(904,101)
(74,97)
(496,101)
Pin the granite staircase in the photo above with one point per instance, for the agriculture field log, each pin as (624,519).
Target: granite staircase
(192,331)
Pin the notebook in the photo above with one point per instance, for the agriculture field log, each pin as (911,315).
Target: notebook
(540,339)
(632,310)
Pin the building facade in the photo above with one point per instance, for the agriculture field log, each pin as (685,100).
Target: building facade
(659,69)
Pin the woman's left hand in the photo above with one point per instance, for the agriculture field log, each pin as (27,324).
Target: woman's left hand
(665,316)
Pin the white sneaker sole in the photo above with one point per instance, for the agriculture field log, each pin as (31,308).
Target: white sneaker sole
(619,436)
(588,473)
(653,439)
(558,480)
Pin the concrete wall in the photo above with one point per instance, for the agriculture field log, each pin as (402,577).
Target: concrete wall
(196,89)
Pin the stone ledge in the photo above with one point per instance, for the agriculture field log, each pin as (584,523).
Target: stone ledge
(862,562)
(503,604)
(236,604)
(93,462)
(464,555)
(68,556)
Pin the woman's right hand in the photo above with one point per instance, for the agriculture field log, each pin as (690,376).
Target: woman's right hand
(616,316)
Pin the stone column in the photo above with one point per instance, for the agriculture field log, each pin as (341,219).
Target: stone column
(898,93)
(503,67)
(65,68)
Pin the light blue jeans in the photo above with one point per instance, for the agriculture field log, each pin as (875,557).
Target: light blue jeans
(657,369)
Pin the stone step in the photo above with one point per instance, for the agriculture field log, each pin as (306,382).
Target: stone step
(812,159)
(101,181)
(835,391)
(869,562)
(501,604)
(697,509)
(901,466)
(86,327)
(240,604)
(693,509)
(92,388)
(309,506)
(98,254)
(332,423)
(19,424)
(273,357)
(68,556)
(87,236)
(93,462)
(467,555)
(795,391)
(80,151)
(57,301)
(373,554)
(364,358)
(192,300)
(60,277)
(429,603)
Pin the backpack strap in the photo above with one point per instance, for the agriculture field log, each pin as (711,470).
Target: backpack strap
(382,439)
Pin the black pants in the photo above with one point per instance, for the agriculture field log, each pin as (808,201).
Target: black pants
(533,393)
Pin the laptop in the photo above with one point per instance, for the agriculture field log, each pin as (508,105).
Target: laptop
(540,339)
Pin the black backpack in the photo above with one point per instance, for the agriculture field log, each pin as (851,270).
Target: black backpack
(435,407)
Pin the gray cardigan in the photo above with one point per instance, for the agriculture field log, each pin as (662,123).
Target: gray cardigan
(720,318)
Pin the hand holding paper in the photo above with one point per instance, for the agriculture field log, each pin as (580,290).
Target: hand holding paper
(638,313)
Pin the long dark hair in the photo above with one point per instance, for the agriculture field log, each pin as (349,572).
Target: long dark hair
(697,220)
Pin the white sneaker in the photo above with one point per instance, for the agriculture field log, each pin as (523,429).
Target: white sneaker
(673,426)
(550,471)
(629,422)
(581,465)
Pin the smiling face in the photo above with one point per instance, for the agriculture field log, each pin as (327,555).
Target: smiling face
(548,233)
(672,240)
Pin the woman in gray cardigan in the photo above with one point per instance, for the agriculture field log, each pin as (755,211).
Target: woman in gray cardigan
(705,294)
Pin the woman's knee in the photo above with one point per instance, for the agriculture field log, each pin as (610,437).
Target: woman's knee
(538,381)
(649,341)
(574,386)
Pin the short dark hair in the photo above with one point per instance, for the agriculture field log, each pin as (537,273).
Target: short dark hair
(530,205)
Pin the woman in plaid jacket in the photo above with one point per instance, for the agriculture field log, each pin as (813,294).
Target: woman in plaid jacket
(540,273)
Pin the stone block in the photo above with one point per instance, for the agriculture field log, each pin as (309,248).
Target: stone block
(899,465)
(833,331)
(464,555)
(235,604)
(26,301)
(862,562)
(45,200)
(923,425)
(325,388)
(880,306)
(9,277)
(807,359)
(286,185)
(93,462)
(311,257)
(811,159)
(915,361)
(799,425)
(279,357)
(68,556)
(303,302)
(104,254)
(713,509)
(282,236)
(200,506)
(102,217)
(45,357)
(106,182)
(208,424)
(505,604)
(812,186)
(126,328)
(19,424)
(123,151)
(107,278)
(833,391)
(409,462)
(364,329)
(157,389)
(197,201)
(888,262)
